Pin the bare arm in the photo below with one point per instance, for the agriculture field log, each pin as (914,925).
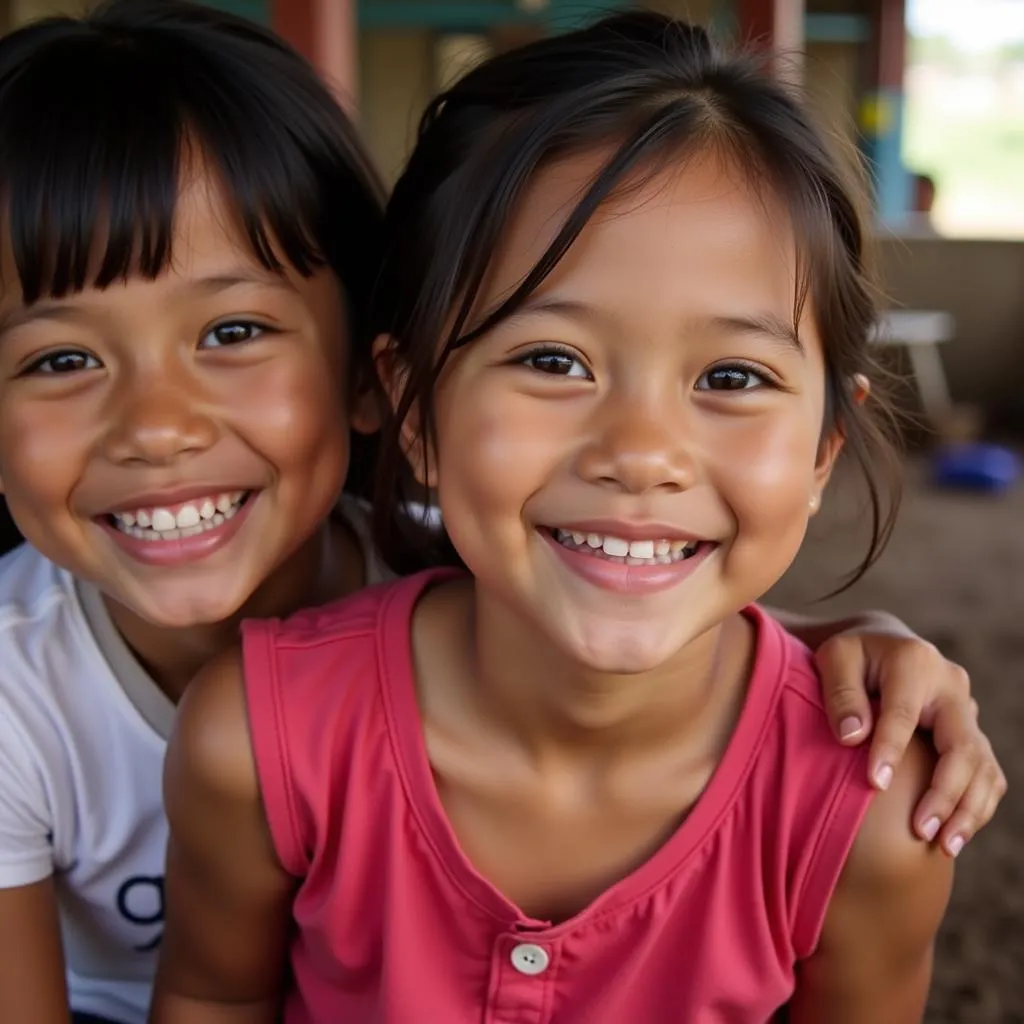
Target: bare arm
(223,953)
(875,653)
(813,632)
(874,961)
(32,986)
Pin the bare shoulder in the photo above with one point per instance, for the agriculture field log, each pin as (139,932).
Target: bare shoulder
(873,961)
(888,859)
(210,753)
(893,890)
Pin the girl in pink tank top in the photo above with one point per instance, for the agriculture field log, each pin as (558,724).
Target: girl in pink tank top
(579,777)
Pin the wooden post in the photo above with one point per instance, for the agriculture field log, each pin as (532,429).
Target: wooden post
(881,110)
(776,25)
(326,33)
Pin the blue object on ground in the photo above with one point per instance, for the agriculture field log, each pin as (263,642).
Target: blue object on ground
(987,468)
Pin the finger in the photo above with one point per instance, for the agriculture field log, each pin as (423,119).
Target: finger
(899,715)
(994,800)
(972,813)
(967,764)
(956,773)
(843,668)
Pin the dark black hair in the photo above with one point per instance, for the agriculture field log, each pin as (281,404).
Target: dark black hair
(659,90)
(97,115)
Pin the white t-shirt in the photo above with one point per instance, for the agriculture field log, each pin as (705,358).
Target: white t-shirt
(83,732)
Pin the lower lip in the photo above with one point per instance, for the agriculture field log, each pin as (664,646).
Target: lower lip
(628,579)
(184,549)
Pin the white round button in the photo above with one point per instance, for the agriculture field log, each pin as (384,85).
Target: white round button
(530,959)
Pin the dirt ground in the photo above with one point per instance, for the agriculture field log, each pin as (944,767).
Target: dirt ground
(955,572)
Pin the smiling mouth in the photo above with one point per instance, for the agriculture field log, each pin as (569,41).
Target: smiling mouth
(179,522)
(628,552)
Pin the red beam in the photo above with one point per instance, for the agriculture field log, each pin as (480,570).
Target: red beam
(776,25)
(325,33)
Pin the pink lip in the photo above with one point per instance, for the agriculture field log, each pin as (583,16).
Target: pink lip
(629,531)
(185,549)
(627,579)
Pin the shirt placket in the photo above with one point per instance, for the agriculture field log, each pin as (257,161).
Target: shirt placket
(524,971)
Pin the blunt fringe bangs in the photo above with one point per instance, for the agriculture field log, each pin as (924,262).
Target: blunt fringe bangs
(652,91)
(98,116)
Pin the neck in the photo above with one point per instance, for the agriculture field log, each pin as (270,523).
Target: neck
(327,566)
(554,707)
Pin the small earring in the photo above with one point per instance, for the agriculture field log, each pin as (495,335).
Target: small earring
(813,502)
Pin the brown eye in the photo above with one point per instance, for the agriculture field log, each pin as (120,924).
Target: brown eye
(731,378)
(556,363)
(234,332)
(69,361)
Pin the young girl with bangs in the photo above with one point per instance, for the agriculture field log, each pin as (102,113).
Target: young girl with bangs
(580,776)
(191,233)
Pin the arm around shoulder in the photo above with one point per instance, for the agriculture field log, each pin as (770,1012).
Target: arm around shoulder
(32,986)
(873,963)
(228,898)
(32,981)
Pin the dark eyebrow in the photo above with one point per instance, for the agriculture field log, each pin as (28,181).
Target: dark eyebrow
(233,278)
(766,324)
(63,310)
(539,305)
(46,310)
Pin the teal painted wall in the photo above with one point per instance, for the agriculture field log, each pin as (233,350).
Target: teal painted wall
(475,15)
(256,10)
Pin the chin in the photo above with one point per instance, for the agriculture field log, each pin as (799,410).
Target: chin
(186,611)
(613,653)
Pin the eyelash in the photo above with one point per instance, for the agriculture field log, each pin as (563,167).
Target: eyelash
(765,378)
(551,349)
(261,330)
(36,366)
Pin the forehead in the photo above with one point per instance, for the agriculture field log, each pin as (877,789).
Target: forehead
(697,231)
(206,225)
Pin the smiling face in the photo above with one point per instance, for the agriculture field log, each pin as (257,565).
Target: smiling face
(175,440)
(632,456)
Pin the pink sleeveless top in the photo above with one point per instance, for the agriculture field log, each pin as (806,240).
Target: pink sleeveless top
(393,925)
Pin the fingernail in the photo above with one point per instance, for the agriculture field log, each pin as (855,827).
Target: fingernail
(883,776)
(850,727)
(930,829)
(955,845)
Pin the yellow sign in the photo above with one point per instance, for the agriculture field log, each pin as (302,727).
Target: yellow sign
(876,116)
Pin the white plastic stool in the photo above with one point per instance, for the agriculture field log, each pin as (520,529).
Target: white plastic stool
(921,331)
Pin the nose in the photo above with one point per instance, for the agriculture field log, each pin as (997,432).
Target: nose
(640,444)
(157,420)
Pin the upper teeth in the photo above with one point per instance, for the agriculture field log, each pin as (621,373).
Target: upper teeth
(192,517)
(618,547)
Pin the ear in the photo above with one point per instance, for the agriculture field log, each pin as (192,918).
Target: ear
(393,375)
(365,415)
(832,444)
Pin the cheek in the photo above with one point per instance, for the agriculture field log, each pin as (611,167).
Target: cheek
(44,449)
(766,475)
(494,450)
(297,412)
